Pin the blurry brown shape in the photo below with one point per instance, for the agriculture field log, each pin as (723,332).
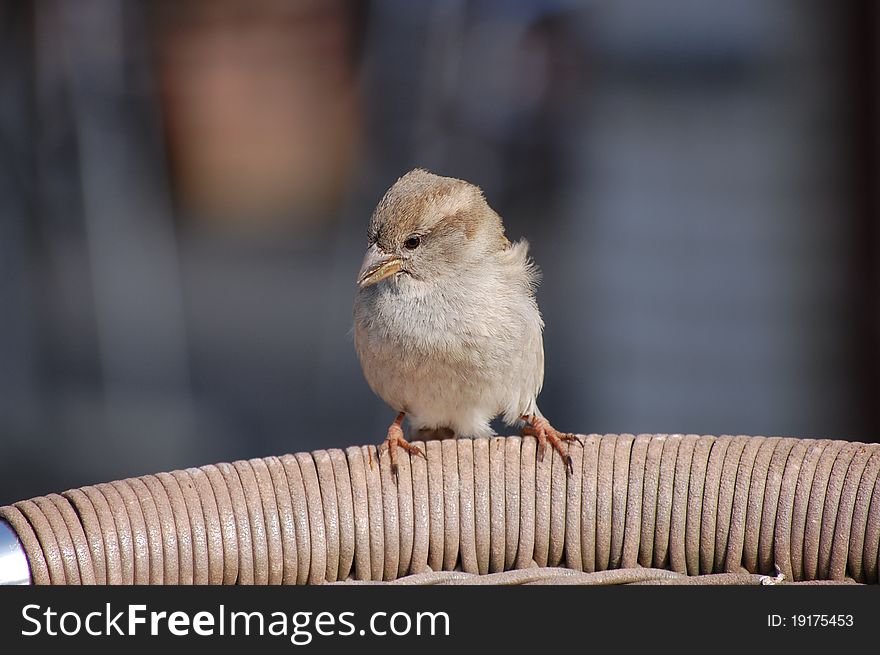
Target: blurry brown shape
(261,108)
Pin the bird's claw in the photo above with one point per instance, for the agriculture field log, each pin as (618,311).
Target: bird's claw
(541,429)
(396,439)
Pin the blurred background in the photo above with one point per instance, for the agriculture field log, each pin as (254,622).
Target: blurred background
(185,188)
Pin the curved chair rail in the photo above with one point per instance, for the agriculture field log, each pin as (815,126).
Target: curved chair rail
(648,508)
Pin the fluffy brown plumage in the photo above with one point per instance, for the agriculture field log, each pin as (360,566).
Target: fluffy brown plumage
(447,327)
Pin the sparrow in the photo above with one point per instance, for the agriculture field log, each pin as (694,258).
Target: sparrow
(446,324)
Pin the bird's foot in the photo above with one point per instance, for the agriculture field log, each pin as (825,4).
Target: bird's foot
(540,428)
(396,439)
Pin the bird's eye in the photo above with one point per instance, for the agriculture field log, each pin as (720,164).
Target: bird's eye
(412,242)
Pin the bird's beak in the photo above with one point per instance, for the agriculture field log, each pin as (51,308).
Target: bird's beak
(377,266)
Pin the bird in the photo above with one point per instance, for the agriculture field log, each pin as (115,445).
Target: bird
(446,322)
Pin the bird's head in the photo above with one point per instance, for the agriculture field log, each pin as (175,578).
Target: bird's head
(429,227)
